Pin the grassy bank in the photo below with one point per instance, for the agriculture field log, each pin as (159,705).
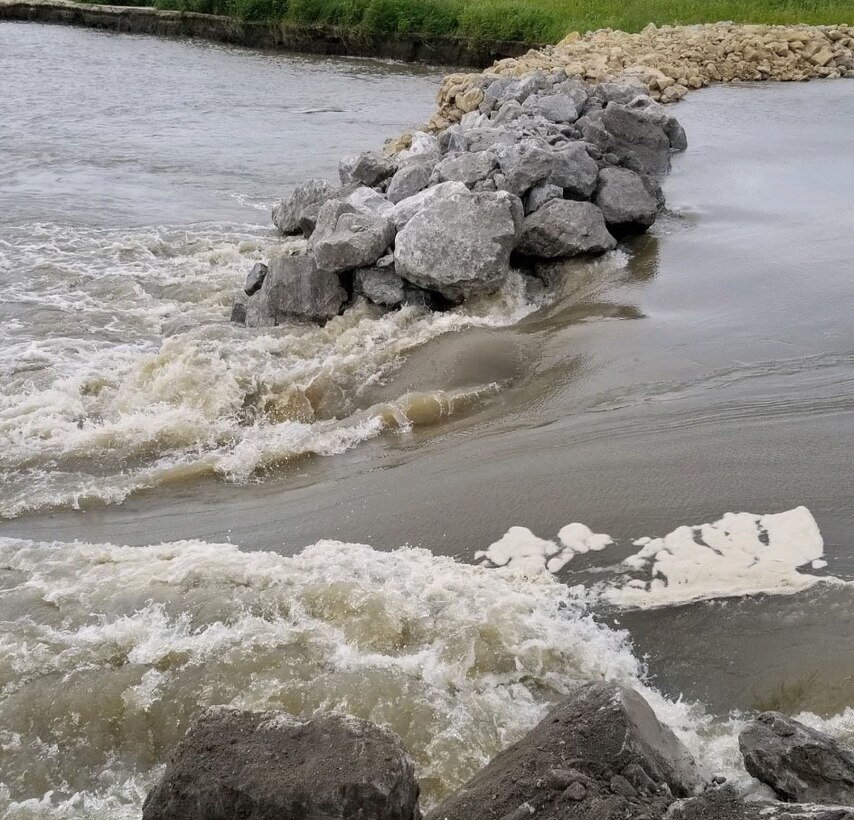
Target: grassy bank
(533,21)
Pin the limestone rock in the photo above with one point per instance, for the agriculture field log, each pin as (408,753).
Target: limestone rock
(562,228)
(467,168)
(345,239)
(271,766)
(408,181)
(798,762)
(540,194)
(407,208)
(459,244)
(574,170)
(369,168)
(524,164)
(294,290)
(553,107)
(597,732)
(624,200)
(286,215)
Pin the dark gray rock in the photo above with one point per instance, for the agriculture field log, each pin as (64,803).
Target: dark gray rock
(382,286)
(574,170)
(594,734)
(540,194)
(286,215)
(798,762)
(270,766)
(369,168)
(345,239)
(466,168)
(625,132)
(294,290)
(660,115)
(524,164)
(408,181)
(238,308)
(407,208)
(725,804)
(552,107)
(255,278)
(564,228)
(459,244)
(624,200)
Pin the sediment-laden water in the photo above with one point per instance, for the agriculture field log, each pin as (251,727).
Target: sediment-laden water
(702,369)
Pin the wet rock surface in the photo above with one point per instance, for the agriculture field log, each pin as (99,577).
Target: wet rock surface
(270,766)
(797,762)
(726,804)
(600,753)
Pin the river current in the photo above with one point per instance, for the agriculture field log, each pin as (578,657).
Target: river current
(169,482)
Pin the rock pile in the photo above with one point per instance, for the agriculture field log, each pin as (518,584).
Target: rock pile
(669,61)
(546,168)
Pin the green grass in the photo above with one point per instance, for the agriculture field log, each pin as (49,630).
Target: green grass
(532,21)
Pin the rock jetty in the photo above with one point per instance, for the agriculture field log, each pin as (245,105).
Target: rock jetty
(600,754)
(547,168)
(668,60)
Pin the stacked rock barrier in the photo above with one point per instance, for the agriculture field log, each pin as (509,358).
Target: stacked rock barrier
(668,60)
(547,168)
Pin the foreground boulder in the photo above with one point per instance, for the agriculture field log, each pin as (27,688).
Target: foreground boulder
(563,228)
(725,804)
(294,290)
(270,766)
(600,753)
(459,244)
(797,762)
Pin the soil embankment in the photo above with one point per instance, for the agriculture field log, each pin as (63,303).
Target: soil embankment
(332,41)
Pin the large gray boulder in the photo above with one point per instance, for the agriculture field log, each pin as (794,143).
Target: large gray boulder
(624,200)
(286,215)
(459,244)
(368,201)
(562,228)
(524,164)
(467,168)
(407,208)
(600,753)
(540,194)
(660,115)
(345,239)
(725,804)
(271,766)
(294,290)
(408,181)
(574,170)
(554,107)
(368,168)
(482,139)
(629,135)
(798,762)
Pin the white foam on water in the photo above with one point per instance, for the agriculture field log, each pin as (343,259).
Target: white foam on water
(739,554)
(120,370)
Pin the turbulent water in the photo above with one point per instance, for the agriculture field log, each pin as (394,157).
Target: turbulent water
(704,368)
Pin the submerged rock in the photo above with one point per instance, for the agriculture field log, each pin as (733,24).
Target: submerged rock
(294,289)
(562,228)
(459,244)
(600,753)
(271,766)
(798,762)
(725,804)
